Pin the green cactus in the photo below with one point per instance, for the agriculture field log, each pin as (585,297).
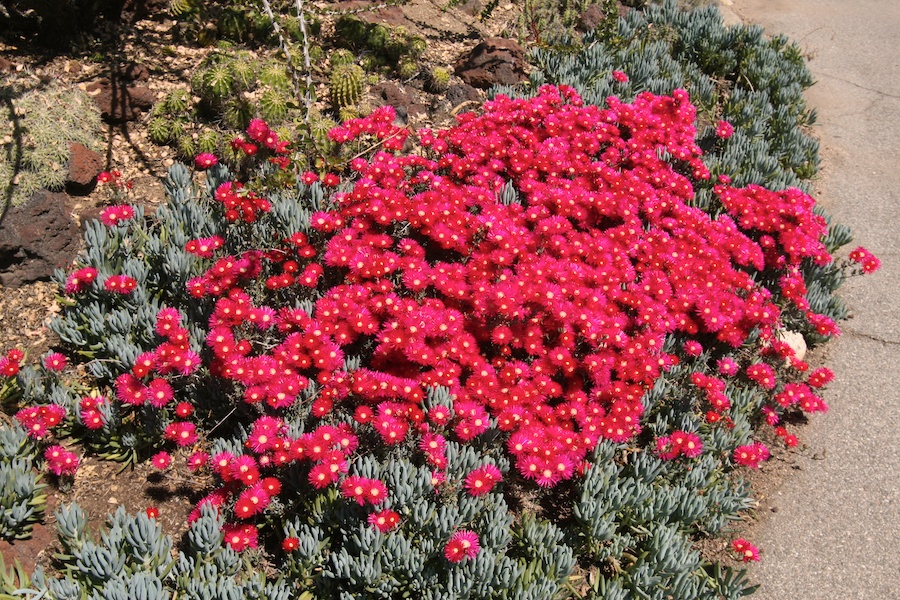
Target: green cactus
(187,145)
(350,29)
(218,82)
(244,67)
(347,83)
(349,112)
(274,74)
(274,105)
(438,80)
(34,147)
(210,141)
(408,68)
(177,101)
(159,130)
(378,38)
(319,127)
(237,113)
(342,56)
(416,46)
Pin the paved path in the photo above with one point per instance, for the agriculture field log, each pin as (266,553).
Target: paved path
(836,535)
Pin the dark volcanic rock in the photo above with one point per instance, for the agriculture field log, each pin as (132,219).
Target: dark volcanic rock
(36,238)
(84,166)
(119,101)
(493,61)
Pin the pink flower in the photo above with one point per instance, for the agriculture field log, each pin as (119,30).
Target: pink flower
(868,261)
(55,361)
(60,461)
(161,460)
(197,461)
(120,284)
(205,160)
(724,130)
(384,520)
(820,377)
(80,280)
(364,490)
(693,348)
(241,537)
(113,215)
(751,455)
(182,433)
(462,544)
(727,367)
(620,76)
(258,130)
(747,551)
(482,480)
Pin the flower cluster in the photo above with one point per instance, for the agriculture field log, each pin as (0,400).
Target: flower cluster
(751,455)
(517,283)
(867,261)
(61,461)
(10,363)
(116,214)
(747,551)
(80,280)
(679,443)
(462,545)
(39,420)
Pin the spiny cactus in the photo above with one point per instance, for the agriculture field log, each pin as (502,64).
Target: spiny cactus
(237,113)
(346,85)
(159,131)
(274,105)
(408,68)
(34,144)
(342,56)
(209,141)
(438,80)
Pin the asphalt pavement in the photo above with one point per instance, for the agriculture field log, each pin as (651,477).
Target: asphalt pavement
(836,532)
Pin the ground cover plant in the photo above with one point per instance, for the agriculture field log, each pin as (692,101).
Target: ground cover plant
(520,357)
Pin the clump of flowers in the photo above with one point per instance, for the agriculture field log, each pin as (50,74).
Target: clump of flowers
(511,290)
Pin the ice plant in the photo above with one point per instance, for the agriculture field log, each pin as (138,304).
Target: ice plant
(463,544)
(530,299)
(747,551)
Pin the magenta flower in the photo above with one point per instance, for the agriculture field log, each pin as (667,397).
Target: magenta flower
(55,361)
(60,461)
(205,160)
(384,520)
(482,480)
(868,261)
(114,215)
(747,551)
(724,130)
(462,545)
(80,280)
(161,460)
(120,284)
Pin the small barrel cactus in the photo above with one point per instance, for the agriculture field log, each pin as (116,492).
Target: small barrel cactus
(408,68)
(342,56)
(347,83)
(438,80)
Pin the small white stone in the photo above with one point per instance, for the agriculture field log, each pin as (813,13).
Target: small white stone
(795,340)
